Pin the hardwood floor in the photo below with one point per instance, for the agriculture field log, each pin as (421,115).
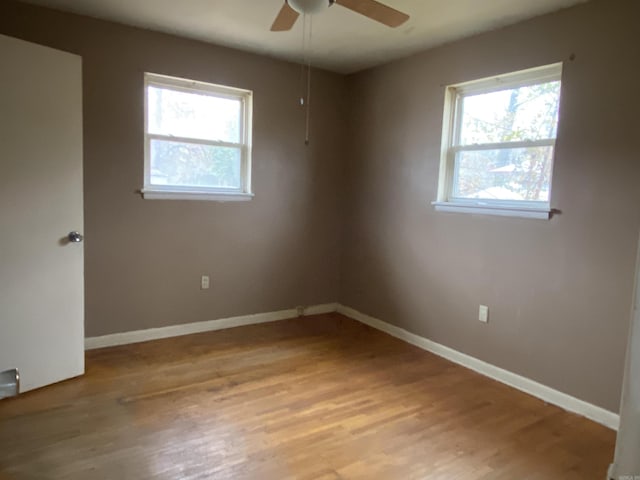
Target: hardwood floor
(318,398)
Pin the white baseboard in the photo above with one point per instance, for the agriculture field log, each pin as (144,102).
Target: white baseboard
(138,336)
(550,395)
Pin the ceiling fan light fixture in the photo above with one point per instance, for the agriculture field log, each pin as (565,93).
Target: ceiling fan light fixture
(309,7)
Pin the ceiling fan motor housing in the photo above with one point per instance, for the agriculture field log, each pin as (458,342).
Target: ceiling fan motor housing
(309,7)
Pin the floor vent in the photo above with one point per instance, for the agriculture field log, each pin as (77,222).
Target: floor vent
(9,383)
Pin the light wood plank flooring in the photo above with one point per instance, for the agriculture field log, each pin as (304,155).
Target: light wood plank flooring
(318,398)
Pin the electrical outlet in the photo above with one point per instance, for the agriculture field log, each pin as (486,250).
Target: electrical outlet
(483,313)
(204,282)
(300,311)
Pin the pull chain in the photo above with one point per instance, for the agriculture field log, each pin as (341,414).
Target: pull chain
(307,130)
(304,59)
(305,94)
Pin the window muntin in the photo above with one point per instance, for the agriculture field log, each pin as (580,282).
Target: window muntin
(499,139)
(197,139)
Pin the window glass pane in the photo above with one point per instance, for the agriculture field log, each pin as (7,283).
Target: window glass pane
(192,165)
(504,174)
(517,114)
(193,115)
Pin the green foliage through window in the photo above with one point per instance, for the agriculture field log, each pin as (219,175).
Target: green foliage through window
(196,135)
(502,146)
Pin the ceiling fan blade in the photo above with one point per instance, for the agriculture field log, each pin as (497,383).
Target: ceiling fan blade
(376,11)
(285,19)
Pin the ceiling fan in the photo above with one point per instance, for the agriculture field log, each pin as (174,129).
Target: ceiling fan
(372,9)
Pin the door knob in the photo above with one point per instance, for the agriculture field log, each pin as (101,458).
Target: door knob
(75,237)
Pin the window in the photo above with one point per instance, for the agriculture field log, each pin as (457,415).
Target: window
(498,144)
(197,140)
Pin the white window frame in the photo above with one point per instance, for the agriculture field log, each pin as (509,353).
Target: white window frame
(177,192)
(454,96)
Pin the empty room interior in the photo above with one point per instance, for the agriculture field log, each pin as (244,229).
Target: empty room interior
(318,239)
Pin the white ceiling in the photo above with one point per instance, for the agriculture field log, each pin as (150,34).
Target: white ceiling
(343,41)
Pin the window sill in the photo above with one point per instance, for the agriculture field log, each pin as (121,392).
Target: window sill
(195,195)
(503,211)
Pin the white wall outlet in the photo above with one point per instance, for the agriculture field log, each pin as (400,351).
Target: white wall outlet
(204,282)
(483,313)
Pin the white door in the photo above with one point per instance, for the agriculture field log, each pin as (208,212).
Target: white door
(627,460)
(41,272)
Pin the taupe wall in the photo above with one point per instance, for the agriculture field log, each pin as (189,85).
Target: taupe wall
(144,258)
(559,291)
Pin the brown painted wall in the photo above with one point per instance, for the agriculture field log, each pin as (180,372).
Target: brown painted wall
(559,291)
(144,258)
